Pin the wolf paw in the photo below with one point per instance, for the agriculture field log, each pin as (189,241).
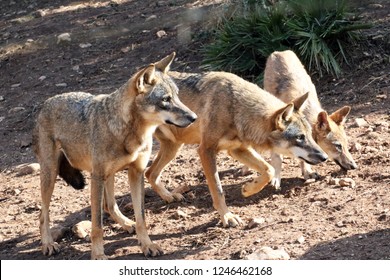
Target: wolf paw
(151,250)
(231,220)
(99,257)
(50,248)
(276,183)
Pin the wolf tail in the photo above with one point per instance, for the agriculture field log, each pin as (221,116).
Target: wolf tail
(71,175)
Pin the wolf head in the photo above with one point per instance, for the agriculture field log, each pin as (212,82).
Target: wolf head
(293,134)
(330,135)
(157,95)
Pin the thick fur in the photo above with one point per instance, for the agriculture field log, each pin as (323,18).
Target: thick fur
(239,117)
(102,135)
(286,78)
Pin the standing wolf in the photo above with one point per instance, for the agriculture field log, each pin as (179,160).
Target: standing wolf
(286,78)
(104,134)
(239,117)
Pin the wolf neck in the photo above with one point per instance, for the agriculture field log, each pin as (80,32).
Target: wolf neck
(124,115)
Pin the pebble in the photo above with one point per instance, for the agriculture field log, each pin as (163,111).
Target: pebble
(360,122)
(82,229)
(64,37)
(267,253)
(254,222)
(161,33)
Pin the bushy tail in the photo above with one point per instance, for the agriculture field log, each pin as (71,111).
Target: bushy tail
(71,175)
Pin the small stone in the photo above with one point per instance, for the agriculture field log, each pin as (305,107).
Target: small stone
(151,17)
(82,229)
(161,33)
(254,222)
(2,98)
(64,37)
(16,110)
(41,78)
(347,182)
(180,215)
(61,85)
(340,224)
(27,169)
(356,147)
(15,85)
(334,181)
(309,181)
(267,253)
(360,122)
(84,46)
(301,240)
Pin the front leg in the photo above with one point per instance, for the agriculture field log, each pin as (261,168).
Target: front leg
(276,162)
(253,160)
(113,209)
(136,181)
(97,192)
(307,172)
(208,158)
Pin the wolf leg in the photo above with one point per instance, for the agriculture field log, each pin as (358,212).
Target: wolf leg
(253,160)
(167,152)
(97,193)
(208,158)
(113,209)
(136,181)
(276,162)
(48,156)
(307,172)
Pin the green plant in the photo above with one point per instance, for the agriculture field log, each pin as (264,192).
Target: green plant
(318,31)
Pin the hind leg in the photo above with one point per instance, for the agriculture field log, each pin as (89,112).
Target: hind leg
(113,209)
(167,152)
(49,171)
(253,160)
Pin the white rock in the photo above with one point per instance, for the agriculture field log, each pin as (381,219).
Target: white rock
(360,122)
(267,253)
(82,229)
(61,85)
(301,240)
(161,33)
(84,46)
(27,169)
(64,37)
(254,222)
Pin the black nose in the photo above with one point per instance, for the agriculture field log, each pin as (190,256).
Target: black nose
(322,156)
(192,118)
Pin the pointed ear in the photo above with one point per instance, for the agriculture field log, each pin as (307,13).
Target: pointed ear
(145,79)
(340,116)
(284,116)
(322,121)
(298,102)
(164,64)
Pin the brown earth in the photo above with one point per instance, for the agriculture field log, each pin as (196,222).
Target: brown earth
(109,40)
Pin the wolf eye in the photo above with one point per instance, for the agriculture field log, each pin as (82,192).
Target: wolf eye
(166,99)
(338,146)
(300,137)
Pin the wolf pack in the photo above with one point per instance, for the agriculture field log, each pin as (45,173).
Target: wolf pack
(218,111)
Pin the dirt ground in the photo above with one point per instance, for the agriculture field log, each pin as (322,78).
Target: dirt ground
(109,40)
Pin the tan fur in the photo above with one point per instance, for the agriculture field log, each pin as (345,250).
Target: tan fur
(286,78)
(104,134)
(236,116)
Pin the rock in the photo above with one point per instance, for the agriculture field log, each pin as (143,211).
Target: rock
(41,78)
(334,181)
(161,33)
(16,110)
(254,222)
(179,214)
(27,169)
(84,46)
(2,98)
(82,229)
(356,147)
(151,17)
(347,182)
(58,233)
(360,122)
(301,240)
(63,38)
(267,253)
(61,85)
(15,85)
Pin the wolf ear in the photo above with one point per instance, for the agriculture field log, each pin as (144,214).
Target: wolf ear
(322,121)
(164,64)
(284,116)
(340,116)
(298,102)
(145,79)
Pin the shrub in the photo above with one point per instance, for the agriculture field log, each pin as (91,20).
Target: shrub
(318,31)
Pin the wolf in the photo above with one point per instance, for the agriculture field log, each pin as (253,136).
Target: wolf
(104,134)
(286,78)
(241,118)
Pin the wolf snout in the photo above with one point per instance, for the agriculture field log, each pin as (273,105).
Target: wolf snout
(318,157)
(192,117)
